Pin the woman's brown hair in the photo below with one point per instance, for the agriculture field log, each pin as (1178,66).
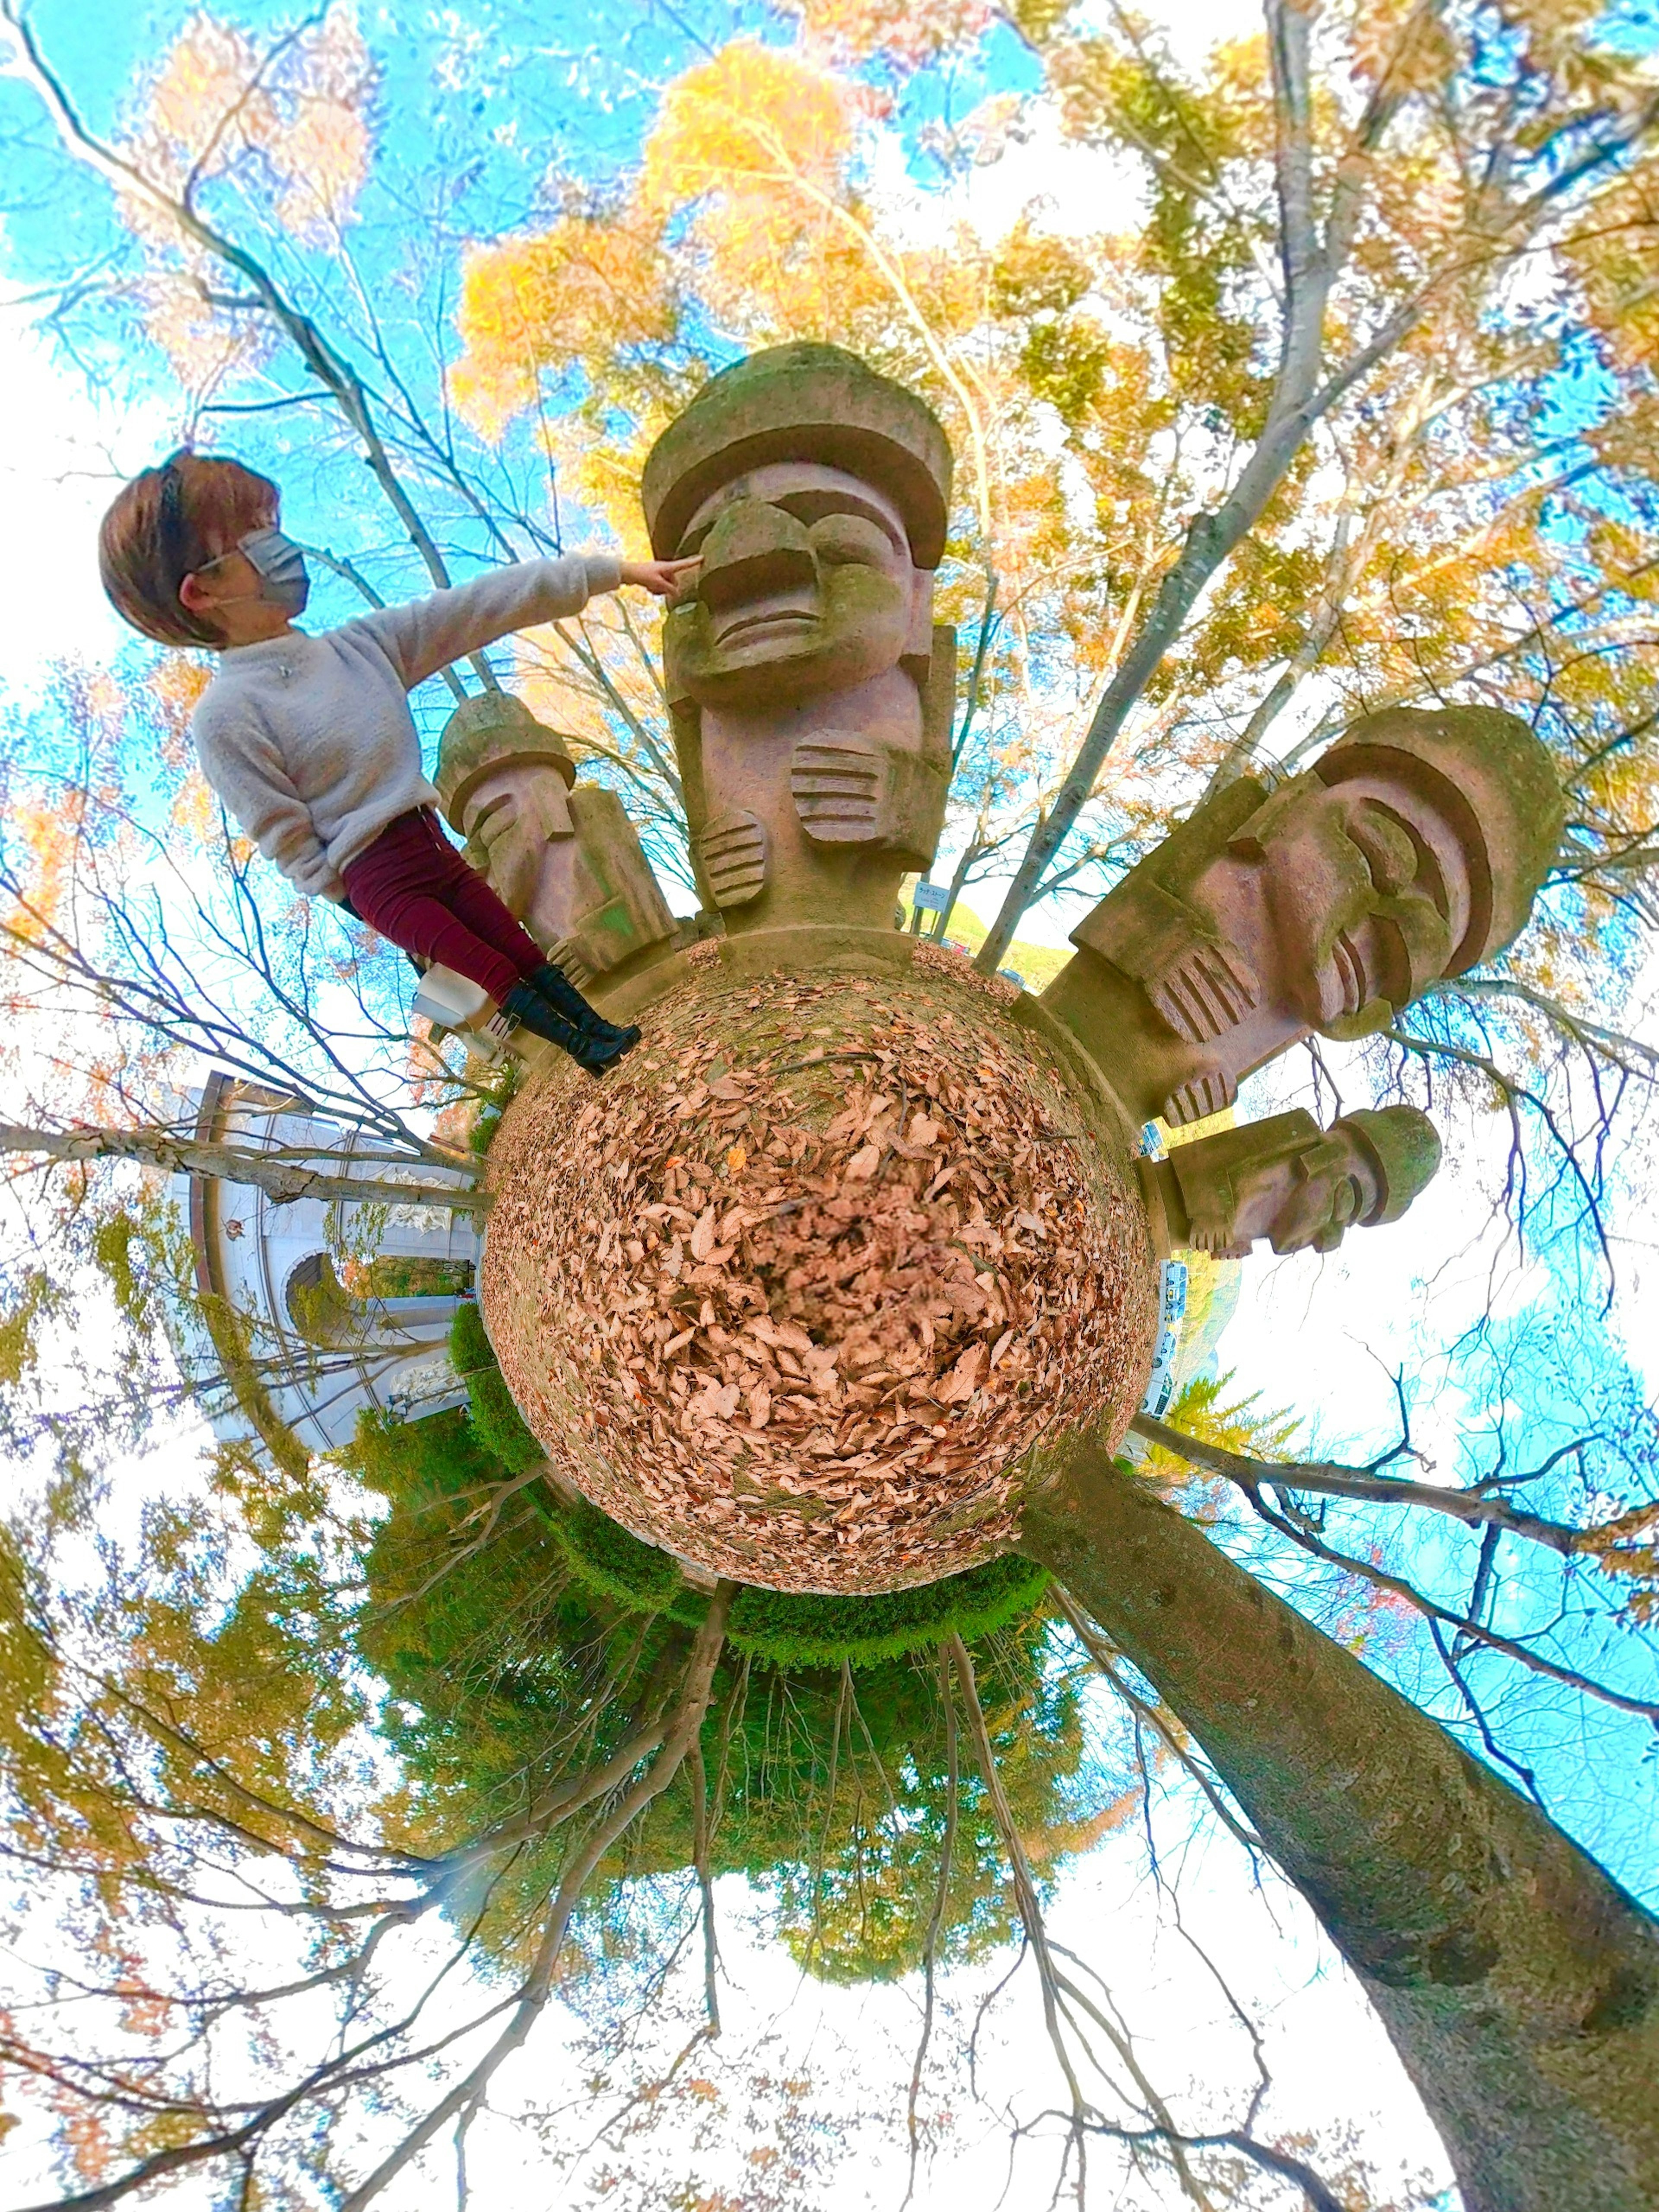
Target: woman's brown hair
(167,523)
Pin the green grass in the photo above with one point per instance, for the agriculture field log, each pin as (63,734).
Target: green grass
(783,1631)
(1039,964)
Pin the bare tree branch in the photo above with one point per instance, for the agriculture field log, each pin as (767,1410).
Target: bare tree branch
(280,1181)
(1329,1478)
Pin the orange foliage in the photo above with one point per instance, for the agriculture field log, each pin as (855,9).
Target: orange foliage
(49,837)
(904,33)
(743,122)
(293,134)
(175,685)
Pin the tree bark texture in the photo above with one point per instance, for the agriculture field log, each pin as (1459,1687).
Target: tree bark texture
(1519,1982)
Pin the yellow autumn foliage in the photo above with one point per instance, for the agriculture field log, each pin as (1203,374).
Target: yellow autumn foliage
(575,294)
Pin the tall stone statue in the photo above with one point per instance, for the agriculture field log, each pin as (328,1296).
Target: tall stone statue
(1410,852)
(811,689)
(1290,1181)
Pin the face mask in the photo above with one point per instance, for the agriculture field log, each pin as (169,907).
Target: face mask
(281,568)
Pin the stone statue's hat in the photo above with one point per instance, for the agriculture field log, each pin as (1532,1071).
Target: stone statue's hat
(1492,779)
(1405,1147)
(803,403)
(487,732)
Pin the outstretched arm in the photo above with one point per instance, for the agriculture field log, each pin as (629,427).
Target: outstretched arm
(423,635)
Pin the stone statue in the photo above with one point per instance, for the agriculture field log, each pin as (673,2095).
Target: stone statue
(1410,852)
(813,1289)
(812,690)
(563,856)
(1289,1181)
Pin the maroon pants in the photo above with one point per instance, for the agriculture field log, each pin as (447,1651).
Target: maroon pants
(413,886)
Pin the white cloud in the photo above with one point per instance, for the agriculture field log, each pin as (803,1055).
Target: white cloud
(63,461)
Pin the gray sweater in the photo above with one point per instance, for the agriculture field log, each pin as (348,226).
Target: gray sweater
(309,740)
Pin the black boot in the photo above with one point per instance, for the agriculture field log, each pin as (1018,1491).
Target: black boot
(527,1008)
(562,995)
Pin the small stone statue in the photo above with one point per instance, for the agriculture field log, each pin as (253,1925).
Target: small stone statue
(1289,1181)
(1407,854)
(810,690)
(563,856)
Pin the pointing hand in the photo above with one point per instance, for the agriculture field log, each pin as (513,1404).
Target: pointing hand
(666,579)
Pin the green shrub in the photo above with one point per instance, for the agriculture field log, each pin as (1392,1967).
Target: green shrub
(469,1348)
(500,1091)
(497,1422)
(613,1564)
(412,1463)
(780,1630)
(785,1630)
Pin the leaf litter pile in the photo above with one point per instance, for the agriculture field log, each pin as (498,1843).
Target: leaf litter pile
(802,1290)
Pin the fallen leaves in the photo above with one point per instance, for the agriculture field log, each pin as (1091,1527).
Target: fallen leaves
(807,1314)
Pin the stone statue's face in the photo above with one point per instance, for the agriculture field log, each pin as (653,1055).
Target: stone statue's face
(509,817)
(1297,1192)
(1368,894)
(806,586)
(1331,1184)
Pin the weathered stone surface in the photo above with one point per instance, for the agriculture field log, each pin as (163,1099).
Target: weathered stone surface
(802,402)
(1412,851)
(812,690)
(808,1289)
(1288,1180)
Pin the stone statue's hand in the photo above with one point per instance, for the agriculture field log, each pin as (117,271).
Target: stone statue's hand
(732,850)
(1203,990)
(567,953)
(839,785)
(1218,1238)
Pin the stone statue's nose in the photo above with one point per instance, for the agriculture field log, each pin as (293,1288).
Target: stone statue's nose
(754,551)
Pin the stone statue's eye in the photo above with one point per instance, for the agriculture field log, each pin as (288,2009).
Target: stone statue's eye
(494,815)
(838,538)
(1387,845)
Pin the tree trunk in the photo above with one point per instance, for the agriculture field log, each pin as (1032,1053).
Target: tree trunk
(283,1180)
(1519,1982)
